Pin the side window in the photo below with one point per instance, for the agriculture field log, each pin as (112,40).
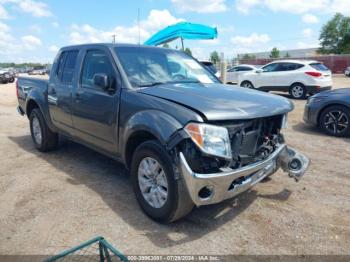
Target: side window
(69,66)
(270,67)
(96,62)
(289,66)
(60,65)
(66,66)
(246,68)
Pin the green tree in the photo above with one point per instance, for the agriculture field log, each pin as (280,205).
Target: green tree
(214,57)
(248,56)
(275,53)
(287,55)
(335,35)
(188,51)
(166,45)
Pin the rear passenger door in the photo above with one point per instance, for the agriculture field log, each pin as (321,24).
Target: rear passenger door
(95,110)
(60,91)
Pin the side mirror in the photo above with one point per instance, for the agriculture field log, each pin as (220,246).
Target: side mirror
(259,71)
(101,80)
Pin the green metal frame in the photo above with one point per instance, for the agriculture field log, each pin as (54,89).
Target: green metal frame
(104,251)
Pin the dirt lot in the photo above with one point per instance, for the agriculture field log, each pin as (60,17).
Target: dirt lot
(49,202)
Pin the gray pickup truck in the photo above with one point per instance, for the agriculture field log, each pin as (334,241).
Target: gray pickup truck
(186,138)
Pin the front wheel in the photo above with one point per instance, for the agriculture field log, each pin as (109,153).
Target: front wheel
(335,121)
(44,139)
(161,196)
(298,91)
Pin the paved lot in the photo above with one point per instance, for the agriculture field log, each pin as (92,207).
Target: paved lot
(49,202)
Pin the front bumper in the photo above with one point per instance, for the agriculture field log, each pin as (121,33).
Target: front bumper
(206,189)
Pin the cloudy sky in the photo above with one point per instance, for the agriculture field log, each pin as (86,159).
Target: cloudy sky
(33,30)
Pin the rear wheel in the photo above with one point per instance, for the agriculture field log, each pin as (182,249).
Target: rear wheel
(335,121)
(44,139)
(161,196)
(247,84)
(298,91)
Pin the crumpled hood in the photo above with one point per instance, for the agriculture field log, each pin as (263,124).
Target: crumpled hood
(222,102)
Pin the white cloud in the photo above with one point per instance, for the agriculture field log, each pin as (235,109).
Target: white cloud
(156,20)
(30,42)
(53,48)
(252,40)
(303,45)
(310,19)
(200,6)
(3,13)
(55,24)
(244,6)
(295,6)
(307,32)
(35,8)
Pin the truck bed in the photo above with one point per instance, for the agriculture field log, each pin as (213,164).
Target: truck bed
(26,84)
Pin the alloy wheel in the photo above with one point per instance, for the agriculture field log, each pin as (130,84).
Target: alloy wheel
(297,91)
(36,130)
(336,121)
(153,182)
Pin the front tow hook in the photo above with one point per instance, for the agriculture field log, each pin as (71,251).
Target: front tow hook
(294,163)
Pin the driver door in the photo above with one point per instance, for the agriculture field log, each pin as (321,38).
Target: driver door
(95,110)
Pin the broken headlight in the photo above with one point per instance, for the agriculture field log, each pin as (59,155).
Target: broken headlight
(212,140)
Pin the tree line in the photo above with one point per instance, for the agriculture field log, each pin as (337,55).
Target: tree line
(334,39)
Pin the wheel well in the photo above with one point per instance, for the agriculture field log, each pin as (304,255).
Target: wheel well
(31,105)
(246,81)
(326,107)
(296,83)
(134,141)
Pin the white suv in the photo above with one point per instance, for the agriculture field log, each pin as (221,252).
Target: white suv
(298,77)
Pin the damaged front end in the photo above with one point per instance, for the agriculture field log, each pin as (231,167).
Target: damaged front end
(256,150)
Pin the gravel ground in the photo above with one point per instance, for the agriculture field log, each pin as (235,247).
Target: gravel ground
(50,202)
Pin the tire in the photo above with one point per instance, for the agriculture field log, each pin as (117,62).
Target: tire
(177,202)
(335,121)
(247,84)
(298,91)
(12,79)
(46,140)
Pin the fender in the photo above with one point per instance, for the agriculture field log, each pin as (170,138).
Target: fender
(40,98)
(155,122)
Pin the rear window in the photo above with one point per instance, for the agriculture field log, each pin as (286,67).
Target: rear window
(319,66)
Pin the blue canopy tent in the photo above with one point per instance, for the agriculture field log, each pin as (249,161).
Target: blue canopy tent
(182,30)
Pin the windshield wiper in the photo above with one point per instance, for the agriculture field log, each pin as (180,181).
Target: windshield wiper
(185,81)
(152,84)
(168,82)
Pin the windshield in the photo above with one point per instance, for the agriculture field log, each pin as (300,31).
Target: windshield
(146,66)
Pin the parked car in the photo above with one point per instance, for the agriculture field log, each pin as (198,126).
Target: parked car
(186,138)
(6,76)
(38,70)
(211,67)
(347,71)
(330,111)
(298,77)
(234,72)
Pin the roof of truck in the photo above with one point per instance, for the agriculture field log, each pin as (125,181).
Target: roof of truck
(109,45)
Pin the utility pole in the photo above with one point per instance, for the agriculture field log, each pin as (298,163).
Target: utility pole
(113,41)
